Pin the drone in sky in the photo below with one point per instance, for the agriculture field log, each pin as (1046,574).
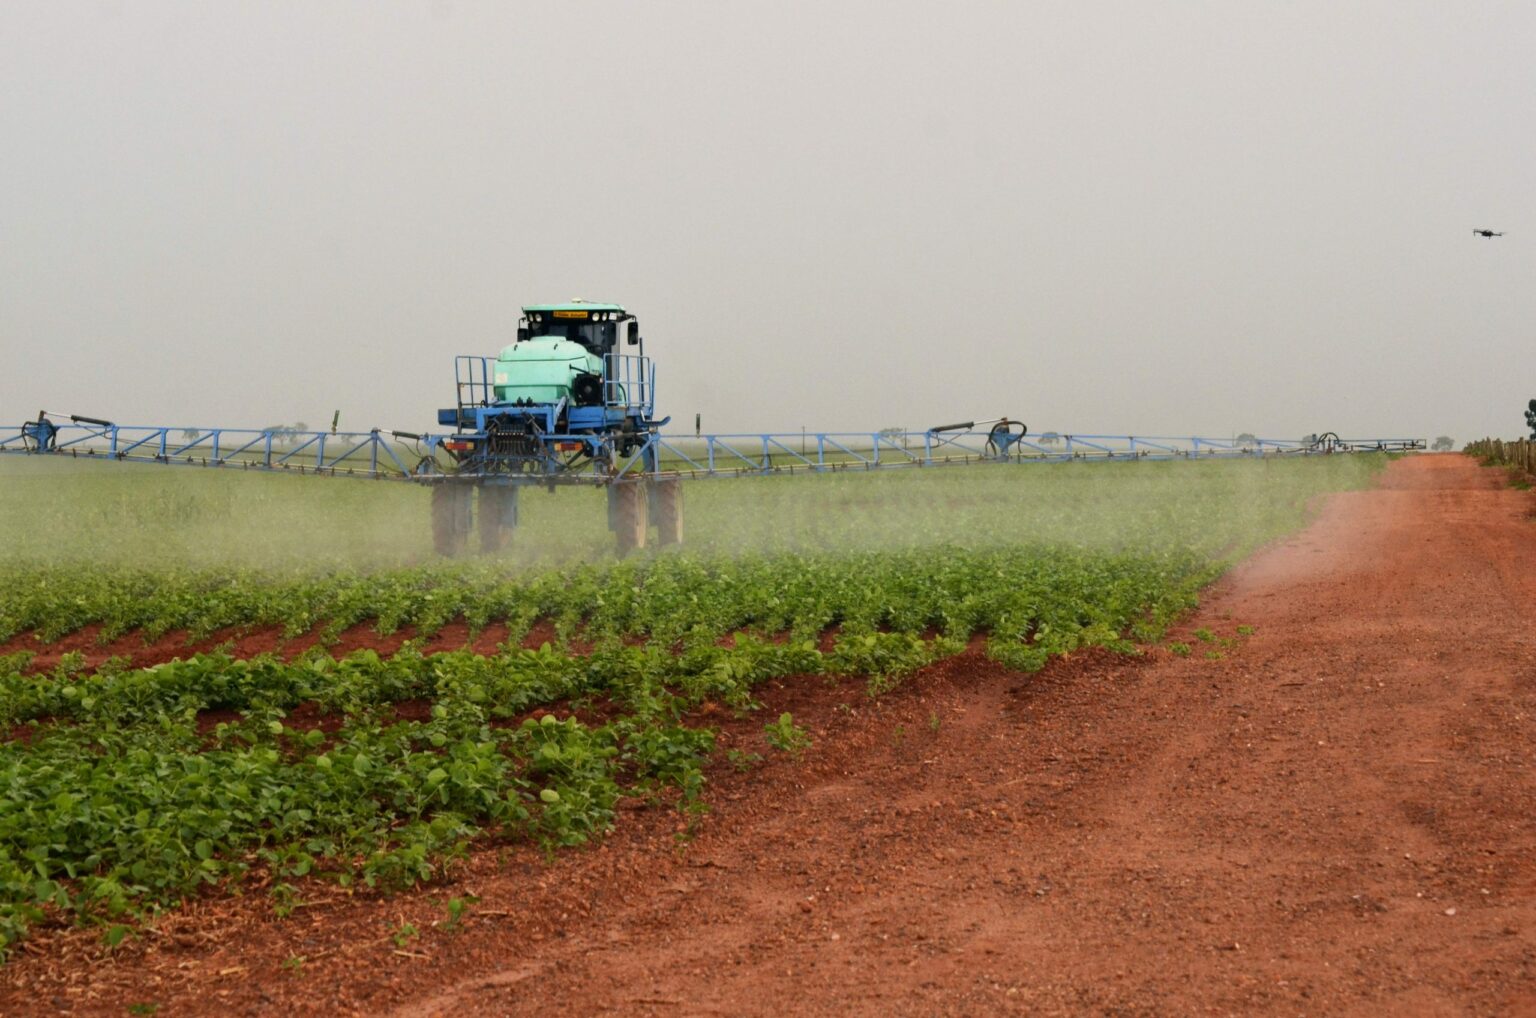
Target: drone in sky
(1486,233)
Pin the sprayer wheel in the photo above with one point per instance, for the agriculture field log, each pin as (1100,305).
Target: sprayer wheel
(629,517)
(451,511)
(669,511)
(498,517)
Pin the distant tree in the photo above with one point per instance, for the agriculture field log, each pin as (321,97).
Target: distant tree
(1248,439)
(1530,417)
(1308,439)
(286,434)
(191,435)
(1443,444)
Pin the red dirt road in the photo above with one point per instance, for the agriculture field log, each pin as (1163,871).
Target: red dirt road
(1332,815)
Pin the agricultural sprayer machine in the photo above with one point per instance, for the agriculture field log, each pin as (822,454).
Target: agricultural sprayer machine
(572,402)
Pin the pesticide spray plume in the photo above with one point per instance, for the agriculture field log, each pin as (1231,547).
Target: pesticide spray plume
(154,515)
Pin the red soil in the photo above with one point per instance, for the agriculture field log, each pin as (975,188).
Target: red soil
(247,642)
(1330,816)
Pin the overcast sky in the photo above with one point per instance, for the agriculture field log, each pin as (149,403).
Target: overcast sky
(1151,218)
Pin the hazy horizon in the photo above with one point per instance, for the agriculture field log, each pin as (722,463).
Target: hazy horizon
(1111,218)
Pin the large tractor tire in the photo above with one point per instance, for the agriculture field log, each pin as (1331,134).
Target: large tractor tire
(627,516)
(498,517)
(451,515)
(667,508)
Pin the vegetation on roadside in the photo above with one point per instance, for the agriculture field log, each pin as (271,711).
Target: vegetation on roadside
(1519,456)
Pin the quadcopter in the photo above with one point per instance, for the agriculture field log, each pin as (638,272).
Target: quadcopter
(1486,233)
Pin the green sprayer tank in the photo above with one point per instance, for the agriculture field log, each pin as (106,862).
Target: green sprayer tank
(541,370)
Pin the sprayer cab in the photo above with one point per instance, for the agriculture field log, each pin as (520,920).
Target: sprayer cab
(602,329)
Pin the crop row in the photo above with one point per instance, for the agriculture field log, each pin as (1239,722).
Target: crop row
(117,796)
(667,599)
(114,798)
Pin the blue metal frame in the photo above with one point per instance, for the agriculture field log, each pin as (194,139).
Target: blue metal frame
(345,453)
(731,455)
(547,443)
(472,381)
(629,385)
(597,457)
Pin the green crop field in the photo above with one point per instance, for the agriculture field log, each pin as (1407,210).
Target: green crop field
(125,789)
